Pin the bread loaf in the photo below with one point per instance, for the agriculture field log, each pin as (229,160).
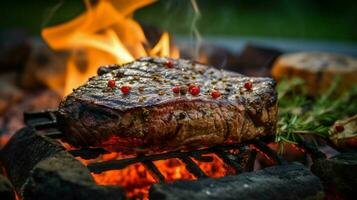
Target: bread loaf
(319,70)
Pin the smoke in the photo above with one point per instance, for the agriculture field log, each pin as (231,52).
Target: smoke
(50,13)
(194,29)
(182,17)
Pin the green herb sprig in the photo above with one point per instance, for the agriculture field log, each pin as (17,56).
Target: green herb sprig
(300,114)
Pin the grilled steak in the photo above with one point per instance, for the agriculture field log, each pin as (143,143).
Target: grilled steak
(170,106)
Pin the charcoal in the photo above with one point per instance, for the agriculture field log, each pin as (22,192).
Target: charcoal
(291,181)
(6,189)
(40,168)
(338,174)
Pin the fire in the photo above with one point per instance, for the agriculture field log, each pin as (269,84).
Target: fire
(136,179)
(105,34)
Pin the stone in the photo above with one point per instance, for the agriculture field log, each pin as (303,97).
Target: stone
(338,174)
(292,181)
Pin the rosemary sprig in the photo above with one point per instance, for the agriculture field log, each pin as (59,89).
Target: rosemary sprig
(300,114)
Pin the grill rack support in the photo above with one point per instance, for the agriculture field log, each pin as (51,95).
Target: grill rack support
(45,123)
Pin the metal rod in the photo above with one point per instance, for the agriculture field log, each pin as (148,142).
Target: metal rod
(44,125)
(269,152)
(192,167)
(41,120)
(251,160)
(54,134)
(154,171)
(230,160)
(88,153)
(203,158)
(100,167)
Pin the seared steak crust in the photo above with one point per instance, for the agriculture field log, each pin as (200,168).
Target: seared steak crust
(153,118)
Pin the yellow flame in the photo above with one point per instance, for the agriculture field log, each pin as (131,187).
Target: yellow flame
(163,49)
(106,33)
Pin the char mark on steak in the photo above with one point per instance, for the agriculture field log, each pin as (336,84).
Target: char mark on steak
(151,117)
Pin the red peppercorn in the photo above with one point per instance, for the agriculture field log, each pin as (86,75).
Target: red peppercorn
(215,94)
(195,90)
(339,128)
(169,64)
(190,87)
(352,142)
(125,89)
(248,85)
(111,83)
(176,89)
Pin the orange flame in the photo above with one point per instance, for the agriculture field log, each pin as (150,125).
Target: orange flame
(105,34)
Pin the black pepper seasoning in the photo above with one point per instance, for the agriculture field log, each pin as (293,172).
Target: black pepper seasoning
(182,115)
(141,89)
(120,74)
(183,90)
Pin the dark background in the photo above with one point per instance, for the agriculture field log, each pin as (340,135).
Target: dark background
(301,19)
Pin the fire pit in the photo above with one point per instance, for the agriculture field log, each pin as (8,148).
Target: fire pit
(311,154)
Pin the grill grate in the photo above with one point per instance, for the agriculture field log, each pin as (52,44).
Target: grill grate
(45,123)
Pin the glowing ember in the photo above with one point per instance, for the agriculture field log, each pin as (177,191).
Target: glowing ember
(136,179)
(105,34)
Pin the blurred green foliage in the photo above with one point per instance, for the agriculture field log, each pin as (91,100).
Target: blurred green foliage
(303,19)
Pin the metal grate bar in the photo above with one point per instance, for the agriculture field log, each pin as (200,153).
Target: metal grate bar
(43,125)
(251,160)
(100,167)
(88,153)
(230,159)
(44,122)
(192,167)
(271,153)
(41,120)
(53,133)
(155,172)
(200,157)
